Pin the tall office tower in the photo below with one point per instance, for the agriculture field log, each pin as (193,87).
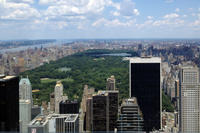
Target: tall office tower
(25,89)
(104,111)
(99,113)
(58,92)
(25,115)
(87,93)
(146,87)
(110,83)
(189,100)
(69,107)
(130,117)
(25,97)
(9,103)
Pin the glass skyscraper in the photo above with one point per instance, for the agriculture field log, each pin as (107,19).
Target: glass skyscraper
(145,76)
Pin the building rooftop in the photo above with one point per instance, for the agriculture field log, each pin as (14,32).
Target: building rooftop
(69,101)
(130,101)
(145,60)
(4,78)
(189,67)
(39,121)
(24,81)
(59,83)
(24,101)
(105,92)
(69,117)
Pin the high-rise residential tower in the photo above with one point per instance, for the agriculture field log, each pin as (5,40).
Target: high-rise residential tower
(25,89)
(145,78)
(58,92)
(9,103)
(102,111)
(189,100)
(110,83)
(25,103)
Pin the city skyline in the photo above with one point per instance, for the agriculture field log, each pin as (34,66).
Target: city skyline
(65,19)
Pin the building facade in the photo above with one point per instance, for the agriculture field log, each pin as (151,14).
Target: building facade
(189,100)
(58,92)
(69,107)
(102,111)
(145,85)
(25,90)
(25,115)
(63,123)
(110,83)
(9,103)
(130,117)
(52,102)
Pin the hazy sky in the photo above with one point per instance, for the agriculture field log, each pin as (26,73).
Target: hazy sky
(66,19)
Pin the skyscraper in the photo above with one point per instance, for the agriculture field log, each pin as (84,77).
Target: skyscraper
(9,103)
(189,100)
(104,110)
(110,83)
(25,115)
(25,90)
(58,92)
(25,102)
(69,107)
(130,117)
(87,93)
(146,87)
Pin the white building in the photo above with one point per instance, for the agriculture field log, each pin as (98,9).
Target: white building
(25,103)
(25,90)
(25,115)
(189,100)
